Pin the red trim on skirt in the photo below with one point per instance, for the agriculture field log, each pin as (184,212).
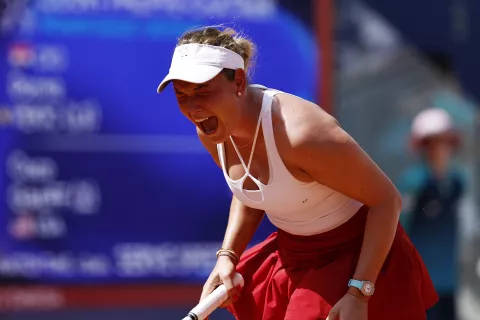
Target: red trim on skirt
(290,277)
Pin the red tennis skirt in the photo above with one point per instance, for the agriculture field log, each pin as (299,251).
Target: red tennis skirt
(290,277)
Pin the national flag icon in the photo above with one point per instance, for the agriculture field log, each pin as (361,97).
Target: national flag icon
(21,54)
(6,116)
(23,227)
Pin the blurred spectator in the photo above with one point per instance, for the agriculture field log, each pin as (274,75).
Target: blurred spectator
(432,190)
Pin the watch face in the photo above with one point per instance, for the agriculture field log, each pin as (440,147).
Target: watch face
(368,288)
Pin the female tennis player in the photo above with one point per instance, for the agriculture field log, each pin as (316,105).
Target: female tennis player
(339,252)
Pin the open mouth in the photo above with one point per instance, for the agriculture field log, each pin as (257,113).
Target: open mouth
(209,125)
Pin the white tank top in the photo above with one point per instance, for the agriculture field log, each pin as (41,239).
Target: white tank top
(291,205)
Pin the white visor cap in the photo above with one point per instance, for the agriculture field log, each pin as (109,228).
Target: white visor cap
(431,122)
(199,63)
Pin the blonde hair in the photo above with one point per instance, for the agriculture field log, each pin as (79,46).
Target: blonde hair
(222,37)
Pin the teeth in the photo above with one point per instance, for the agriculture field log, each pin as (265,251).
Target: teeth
(201,120)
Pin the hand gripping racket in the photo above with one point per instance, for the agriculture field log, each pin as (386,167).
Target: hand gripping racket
(213,300)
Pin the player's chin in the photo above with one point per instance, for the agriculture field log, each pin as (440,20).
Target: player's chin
(217,136)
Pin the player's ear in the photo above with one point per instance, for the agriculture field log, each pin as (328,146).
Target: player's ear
(240,80)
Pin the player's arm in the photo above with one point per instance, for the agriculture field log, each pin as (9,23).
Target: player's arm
(331,157)
(243,221)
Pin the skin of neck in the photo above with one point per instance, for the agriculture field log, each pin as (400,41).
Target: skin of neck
(250,107)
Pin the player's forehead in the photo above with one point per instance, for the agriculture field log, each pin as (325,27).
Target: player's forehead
(184,86)
(180,85)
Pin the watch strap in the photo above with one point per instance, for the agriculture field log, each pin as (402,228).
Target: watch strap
(355,283)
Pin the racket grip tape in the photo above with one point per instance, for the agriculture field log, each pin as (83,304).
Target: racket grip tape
(212,301)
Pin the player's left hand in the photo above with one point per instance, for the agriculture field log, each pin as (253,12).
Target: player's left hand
(349,307)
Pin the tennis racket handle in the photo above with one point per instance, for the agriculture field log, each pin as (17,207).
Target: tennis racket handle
(213,300)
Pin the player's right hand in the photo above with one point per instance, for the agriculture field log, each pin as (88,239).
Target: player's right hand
(223,273)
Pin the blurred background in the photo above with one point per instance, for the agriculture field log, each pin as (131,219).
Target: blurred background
(111,208)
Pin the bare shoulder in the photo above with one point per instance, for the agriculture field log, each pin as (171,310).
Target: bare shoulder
(298,122)
(210,146)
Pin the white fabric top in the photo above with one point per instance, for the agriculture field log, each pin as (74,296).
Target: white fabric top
(291,205)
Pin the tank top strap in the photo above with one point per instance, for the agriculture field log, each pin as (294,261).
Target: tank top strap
(258,86)
(221,155)
(276,165)
(221,146)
